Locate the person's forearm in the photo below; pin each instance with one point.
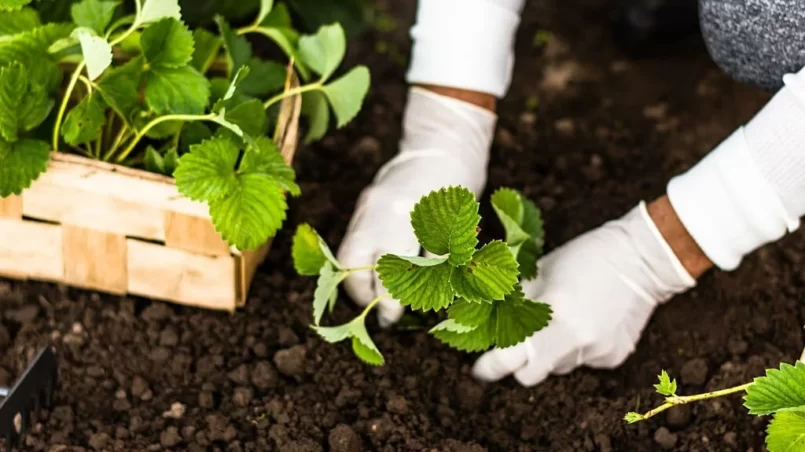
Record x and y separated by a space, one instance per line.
679 239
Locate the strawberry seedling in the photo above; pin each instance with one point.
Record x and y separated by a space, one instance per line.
779 394
141 90
478 286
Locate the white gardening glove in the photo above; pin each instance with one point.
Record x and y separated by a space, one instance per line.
445 143
602 288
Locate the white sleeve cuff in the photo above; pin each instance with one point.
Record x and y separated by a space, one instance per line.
727 205
465 44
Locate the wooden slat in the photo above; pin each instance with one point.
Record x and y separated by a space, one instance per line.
193 234
87 193
31 250
11 207
164 273
247 264
94 259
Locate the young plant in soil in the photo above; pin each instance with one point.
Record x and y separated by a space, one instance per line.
780 393
479 287
140 91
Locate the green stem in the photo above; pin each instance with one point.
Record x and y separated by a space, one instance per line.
134 25
681 400
360 269
372 304
121 135
87 84
156 121
281 41
63 107
292 92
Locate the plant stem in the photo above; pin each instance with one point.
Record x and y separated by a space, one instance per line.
681 400
63 107
292 92
121 135
134 25
153 123
360 269
372 304
87 84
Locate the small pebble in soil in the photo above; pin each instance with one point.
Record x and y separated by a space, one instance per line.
694 372
665 438
344 439
138 386
264 376
679 416
731 439
291 361
170 437
206 399
397 405
242 396
168 337
239 375
98 441
176 411
188 432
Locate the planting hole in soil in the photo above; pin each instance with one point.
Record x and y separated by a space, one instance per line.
584 133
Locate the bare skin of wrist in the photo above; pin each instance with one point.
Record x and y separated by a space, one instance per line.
483 100
678 238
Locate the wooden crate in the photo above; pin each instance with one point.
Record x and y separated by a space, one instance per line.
114 229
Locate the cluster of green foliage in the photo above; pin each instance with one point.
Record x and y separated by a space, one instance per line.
780 393
143 91
478 286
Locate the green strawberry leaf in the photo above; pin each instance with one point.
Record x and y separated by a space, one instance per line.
207 46
326 292
182 90
324 51
96 50
368 354
666 386
503 323
317 111
286 39
13 5
779 391
422 287
517 318
153 161
469 314
364 347
347 93
30 48
238 48
464 338
207 172
154 10
249 116
279 17
120 88
365 350
491 274
446 222
13 22
84 122
264 77
522 222
23 104
171 161
251 212
310 252
193 132
265 158
21 163
265 9
786 432
247 205
167 43
93 14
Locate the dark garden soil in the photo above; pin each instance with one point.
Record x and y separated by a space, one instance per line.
587 133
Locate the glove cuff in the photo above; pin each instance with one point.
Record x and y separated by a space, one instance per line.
465 44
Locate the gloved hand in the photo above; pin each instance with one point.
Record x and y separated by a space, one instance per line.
445 142
602 287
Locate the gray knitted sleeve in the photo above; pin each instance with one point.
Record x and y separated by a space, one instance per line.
755 41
